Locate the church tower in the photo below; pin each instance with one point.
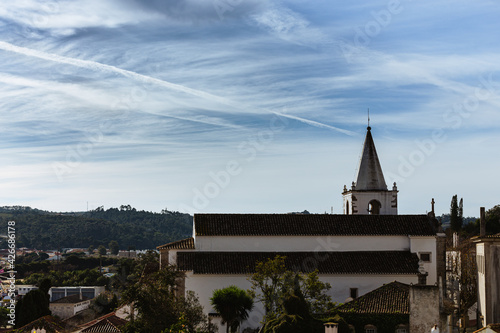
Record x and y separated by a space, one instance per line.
369 194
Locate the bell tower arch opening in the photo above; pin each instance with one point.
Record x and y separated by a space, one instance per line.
374 207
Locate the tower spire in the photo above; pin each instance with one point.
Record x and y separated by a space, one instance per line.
370 175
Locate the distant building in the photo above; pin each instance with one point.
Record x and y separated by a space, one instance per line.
69 306
90 292
23 289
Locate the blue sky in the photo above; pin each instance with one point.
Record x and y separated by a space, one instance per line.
246 106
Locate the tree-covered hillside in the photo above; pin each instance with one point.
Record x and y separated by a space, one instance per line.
126 225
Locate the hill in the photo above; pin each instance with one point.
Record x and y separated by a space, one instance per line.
126 225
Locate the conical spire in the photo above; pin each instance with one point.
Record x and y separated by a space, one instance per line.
370 176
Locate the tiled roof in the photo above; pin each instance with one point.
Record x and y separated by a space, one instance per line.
49 323
183 244
71 299
370 262
311 224
109 323
493 327
390 298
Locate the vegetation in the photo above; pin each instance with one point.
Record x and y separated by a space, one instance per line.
127 226
271 282
456 212
70 278
159 308
105 303
233 304
69 263
113 247
33 305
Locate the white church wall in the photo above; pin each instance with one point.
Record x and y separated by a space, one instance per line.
426 245
302 243
204 285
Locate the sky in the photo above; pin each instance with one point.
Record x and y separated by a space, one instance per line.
247 106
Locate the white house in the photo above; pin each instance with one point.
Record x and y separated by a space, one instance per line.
69 306
488 274
357 252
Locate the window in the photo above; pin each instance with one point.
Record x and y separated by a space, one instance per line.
425 256
354 292
374 207
370 329
402 328
347 207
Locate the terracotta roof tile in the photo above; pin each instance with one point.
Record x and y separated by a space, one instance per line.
311 224
390 298
110 324
107 323
370 262
49 323
183 244
494 327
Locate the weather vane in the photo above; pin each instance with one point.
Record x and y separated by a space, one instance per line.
368 117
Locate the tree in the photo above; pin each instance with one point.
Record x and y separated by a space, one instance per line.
102 250
113 247
272 281
4 318
266 283
456 218
105 303
493 220
296 315
33 305
91 250
464 275
159 308
233 304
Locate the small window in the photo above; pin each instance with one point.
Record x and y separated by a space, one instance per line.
354 292
425 257
370 329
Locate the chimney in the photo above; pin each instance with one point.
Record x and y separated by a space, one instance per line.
482 222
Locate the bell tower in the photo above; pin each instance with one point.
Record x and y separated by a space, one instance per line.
369 194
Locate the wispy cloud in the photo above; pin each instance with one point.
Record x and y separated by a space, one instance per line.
176 87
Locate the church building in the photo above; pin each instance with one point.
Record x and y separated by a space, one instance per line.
356 252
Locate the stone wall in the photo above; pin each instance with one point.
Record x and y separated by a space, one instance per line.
424 308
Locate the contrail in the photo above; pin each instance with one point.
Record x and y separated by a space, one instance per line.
316 124
93 65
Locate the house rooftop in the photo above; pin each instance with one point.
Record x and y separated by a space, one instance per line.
312 225
358 262
183 244
107 323
391 298
71 299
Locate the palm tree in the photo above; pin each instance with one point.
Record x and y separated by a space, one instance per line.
233 305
